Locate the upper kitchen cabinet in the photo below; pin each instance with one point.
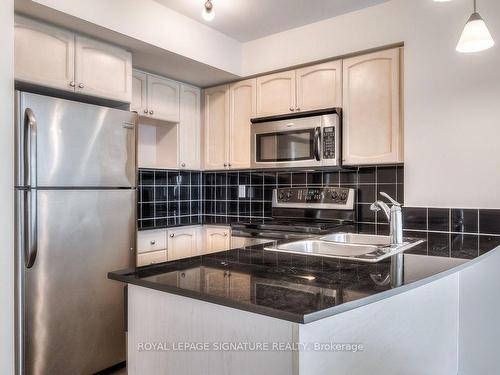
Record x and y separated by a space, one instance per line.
310 88
155 97
44 55
48 56
276 94
215 124
319 86
189 128
242 97
163 98
372 124
103 70
139 102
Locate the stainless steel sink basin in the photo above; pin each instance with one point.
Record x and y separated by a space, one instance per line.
348 246
327 248
357 238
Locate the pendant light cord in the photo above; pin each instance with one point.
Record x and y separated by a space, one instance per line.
475 6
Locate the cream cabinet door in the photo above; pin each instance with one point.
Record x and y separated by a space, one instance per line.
189 128
182 243
319 86
163 98
217 239
103 70
372 125
44 55
215 125
243 101
276 94
139 93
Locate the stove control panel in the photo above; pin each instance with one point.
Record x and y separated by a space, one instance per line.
327 197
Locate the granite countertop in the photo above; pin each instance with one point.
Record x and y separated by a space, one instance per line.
297 288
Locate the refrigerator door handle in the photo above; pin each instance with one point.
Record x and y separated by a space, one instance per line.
30 129
30 193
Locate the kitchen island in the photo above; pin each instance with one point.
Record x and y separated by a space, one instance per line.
250 310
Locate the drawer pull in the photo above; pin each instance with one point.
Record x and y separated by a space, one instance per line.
172 235
152 242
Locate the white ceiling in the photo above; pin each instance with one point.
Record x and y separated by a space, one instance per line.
246 20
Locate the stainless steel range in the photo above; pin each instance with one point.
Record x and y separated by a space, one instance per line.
302 212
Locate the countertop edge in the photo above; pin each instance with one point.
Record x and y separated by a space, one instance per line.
299 318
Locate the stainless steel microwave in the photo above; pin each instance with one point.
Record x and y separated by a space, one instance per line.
307 139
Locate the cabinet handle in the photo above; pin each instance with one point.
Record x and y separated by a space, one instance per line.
298 108
183 164
229 164
172 235
151 112
146 111
225 234
152 242
225 164
81 85
72 84
292 109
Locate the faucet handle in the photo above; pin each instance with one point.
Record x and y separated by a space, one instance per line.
390 199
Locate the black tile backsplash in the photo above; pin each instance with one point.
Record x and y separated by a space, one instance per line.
167 198
256 202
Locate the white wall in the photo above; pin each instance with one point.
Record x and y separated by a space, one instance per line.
452 126
149 21
6 188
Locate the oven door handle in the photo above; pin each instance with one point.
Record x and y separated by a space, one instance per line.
317 143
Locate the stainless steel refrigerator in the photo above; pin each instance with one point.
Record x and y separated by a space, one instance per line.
76 221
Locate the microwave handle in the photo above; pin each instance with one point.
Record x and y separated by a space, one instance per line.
317 143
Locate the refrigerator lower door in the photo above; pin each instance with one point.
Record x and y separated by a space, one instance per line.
77 144
73 314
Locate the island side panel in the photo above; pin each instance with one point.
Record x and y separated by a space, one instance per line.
479 311
412 333
159 317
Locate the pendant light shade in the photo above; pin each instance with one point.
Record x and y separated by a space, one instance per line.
476 36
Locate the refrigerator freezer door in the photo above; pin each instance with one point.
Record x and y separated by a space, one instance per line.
73 315
80 145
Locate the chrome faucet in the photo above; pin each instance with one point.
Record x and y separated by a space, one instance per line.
393 215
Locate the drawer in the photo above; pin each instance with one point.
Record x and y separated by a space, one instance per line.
145 259
151 240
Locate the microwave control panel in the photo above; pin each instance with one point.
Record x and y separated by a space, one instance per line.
329 142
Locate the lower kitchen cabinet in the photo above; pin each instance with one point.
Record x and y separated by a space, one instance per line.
217 239
182 242
372 112
153 257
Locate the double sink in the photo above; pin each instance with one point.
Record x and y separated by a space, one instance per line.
349 246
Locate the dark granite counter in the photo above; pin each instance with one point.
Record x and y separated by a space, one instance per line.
297 288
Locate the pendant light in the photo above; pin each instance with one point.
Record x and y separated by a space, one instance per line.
208 11
476 36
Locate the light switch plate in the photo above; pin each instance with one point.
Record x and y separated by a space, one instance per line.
242 191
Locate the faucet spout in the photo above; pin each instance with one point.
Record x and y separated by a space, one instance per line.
379 205
393 215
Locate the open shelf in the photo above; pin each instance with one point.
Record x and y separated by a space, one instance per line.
157 144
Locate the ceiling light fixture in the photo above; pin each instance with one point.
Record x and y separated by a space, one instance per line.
476 36
208 11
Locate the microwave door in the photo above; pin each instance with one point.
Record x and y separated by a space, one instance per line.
288 148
